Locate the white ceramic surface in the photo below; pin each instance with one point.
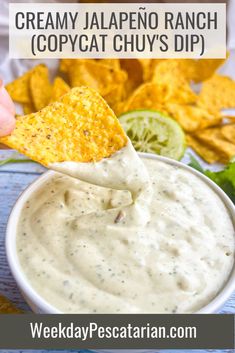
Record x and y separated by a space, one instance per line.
38 304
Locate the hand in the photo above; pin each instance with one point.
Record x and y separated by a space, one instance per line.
7 112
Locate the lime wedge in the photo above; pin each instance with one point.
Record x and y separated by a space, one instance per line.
150 131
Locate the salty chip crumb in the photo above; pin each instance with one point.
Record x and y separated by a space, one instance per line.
80 127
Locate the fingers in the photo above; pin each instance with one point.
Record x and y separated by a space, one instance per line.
5 100
7 112
7 121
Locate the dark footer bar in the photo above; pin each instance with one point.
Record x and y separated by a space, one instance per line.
124 331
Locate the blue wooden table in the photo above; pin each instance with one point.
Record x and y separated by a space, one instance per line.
14 178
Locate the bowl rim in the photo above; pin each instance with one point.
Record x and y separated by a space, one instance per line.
34 297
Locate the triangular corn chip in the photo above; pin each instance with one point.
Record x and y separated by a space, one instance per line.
148 66
168 76
218 92
65 64
147 96
113 63
228 131
40 87
215 140
205 68
28 108
209 154
96 75
19 88
134 71
59 88
192 117
80 127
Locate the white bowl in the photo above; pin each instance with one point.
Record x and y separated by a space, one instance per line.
40 305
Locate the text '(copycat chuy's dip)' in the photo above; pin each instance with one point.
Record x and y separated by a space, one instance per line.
125 235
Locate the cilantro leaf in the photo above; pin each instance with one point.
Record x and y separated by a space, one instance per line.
225 179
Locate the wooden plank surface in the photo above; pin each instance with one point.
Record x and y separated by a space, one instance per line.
13 180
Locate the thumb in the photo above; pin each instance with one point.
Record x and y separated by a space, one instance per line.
6 100
7 121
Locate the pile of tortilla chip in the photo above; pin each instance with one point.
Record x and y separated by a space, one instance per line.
168 86
34 91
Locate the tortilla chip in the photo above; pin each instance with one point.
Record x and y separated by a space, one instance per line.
19 89
192 70
6 307
116 95
198 70
148 66
119 108
113 63
28 108
229 119
191 117
205 68
95 75
208 154
187 68
80 127
228 132
168 76
135 74
146 96
214 139
218 92
59 88
40 87
65 64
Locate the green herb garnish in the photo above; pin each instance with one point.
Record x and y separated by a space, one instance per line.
224 178
12 159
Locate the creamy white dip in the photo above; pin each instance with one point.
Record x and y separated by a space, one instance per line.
149 237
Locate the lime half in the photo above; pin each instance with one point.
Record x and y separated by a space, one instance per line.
150 131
